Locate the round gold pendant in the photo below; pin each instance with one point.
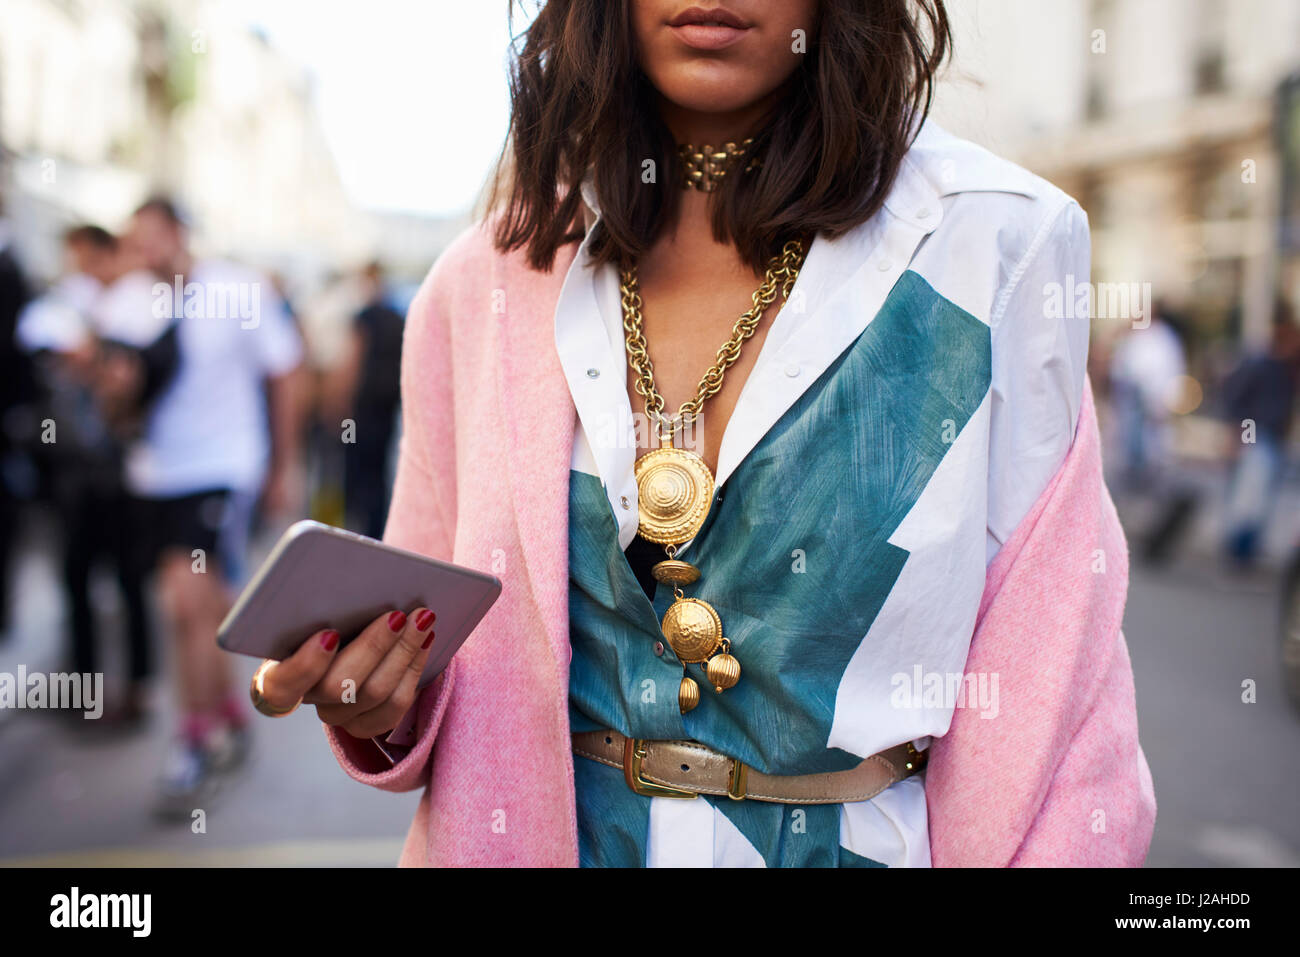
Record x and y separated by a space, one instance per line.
674 491
675 572
693 629
723 671
688 694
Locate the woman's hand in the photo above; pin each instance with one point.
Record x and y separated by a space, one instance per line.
365 688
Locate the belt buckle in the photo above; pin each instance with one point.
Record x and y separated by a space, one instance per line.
736 780
916 760
633 758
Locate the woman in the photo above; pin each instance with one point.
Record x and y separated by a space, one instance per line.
738 607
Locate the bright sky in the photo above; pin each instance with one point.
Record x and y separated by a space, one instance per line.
412 96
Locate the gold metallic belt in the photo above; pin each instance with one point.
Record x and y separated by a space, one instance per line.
687 769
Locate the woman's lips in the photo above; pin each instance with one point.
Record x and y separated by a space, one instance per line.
707 36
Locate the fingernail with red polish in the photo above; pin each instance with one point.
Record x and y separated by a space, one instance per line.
330 640
397 621
428 640
424 619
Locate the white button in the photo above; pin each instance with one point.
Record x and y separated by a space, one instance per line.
792 370
923 213
884 265
626 503
593 373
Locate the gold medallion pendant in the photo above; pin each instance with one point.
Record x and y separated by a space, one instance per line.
675 486
674 489
693 628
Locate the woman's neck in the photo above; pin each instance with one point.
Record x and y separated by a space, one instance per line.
692 218
714 129
690 230
685 247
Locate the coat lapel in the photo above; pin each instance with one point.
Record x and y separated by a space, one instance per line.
539 421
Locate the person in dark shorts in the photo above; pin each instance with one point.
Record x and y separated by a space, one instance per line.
220 435
211 522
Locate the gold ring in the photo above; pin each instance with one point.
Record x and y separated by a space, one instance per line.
259 700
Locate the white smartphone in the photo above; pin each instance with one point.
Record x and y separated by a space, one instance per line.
318 576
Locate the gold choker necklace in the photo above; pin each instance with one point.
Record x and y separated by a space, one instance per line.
675 487
705 167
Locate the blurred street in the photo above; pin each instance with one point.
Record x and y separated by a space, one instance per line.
1225 772
83 795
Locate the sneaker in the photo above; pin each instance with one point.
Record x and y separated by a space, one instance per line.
227 747
186 782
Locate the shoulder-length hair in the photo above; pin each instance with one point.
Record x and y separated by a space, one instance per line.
830 148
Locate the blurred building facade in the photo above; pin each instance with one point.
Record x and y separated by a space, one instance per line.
1161 121
103 101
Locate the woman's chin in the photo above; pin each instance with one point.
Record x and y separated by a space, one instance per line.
711 90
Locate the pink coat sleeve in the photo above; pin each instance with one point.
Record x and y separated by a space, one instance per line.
1057 777
421 518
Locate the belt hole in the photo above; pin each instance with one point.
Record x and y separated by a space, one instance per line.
686 767
608 739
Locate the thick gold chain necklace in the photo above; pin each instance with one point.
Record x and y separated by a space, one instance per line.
675 487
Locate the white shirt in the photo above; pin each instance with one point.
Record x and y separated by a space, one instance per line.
59 320
208 428
1151 361
990 238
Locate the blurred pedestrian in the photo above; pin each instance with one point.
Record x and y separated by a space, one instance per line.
221 433
1146 375
87 486
17 390
1259 398
328 338
372 368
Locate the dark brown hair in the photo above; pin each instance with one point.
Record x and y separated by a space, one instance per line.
830 149
90 235
165 207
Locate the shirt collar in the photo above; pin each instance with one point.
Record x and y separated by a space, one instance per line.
590 207
951 165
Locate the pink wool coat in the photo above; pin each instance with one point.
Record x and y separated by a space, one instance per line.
1058 778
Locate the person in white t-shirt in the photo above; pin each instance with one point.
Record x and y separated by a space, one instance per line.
220 433
1147 371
